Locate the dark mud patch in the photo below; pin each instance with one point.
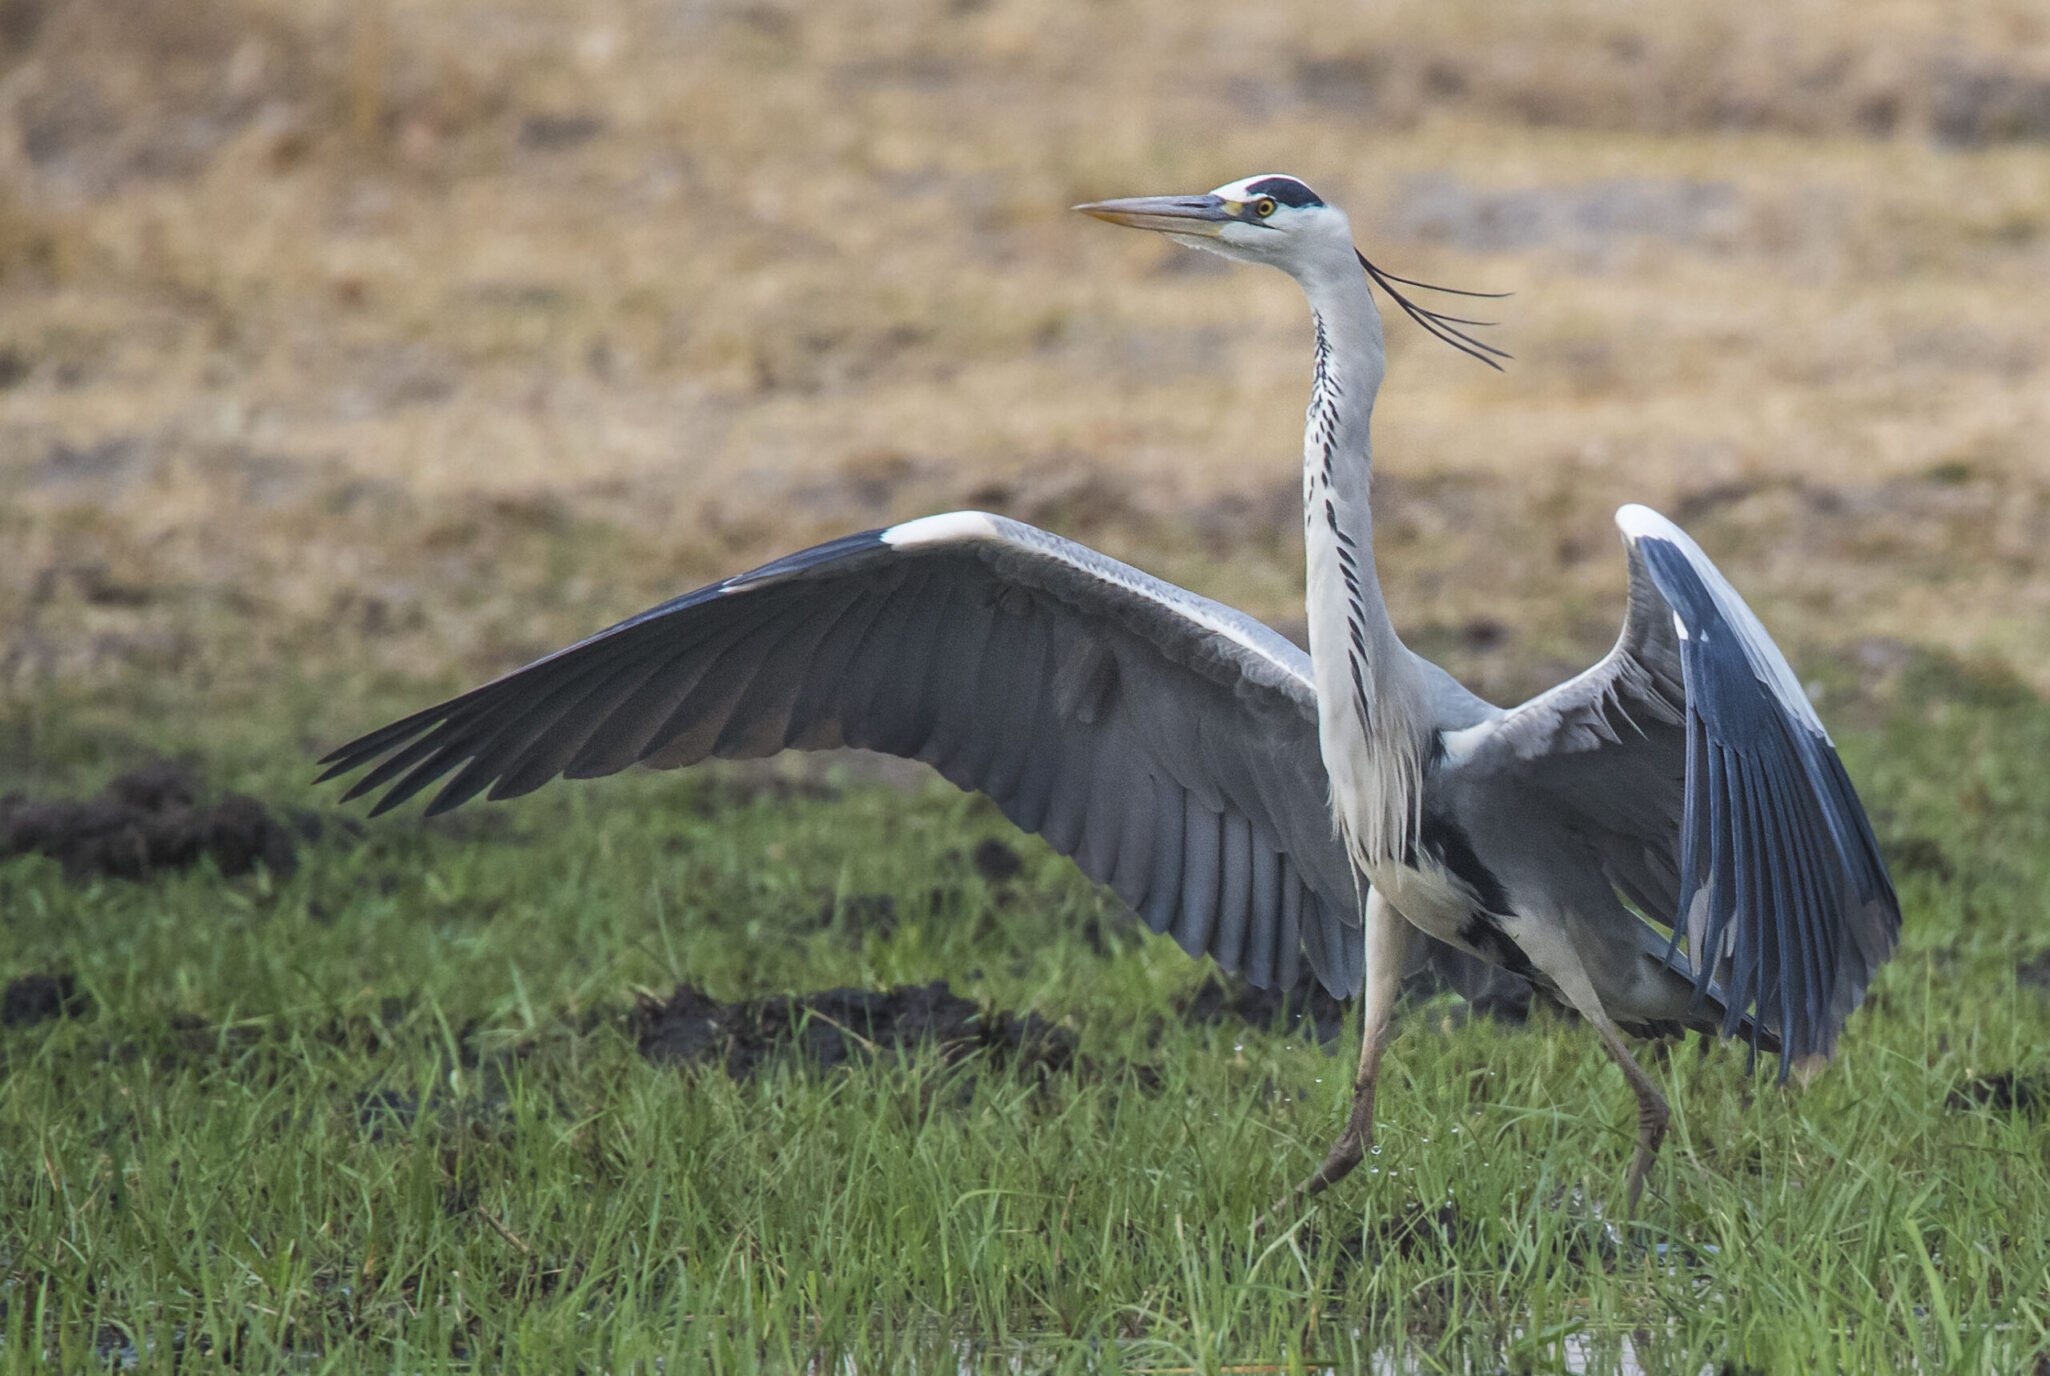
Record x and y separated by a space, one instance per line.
154 818
1310 1010
2005 1091
1307 1008
2033 972
861 916
1919 855
384 1111
39 998
996 862
1415 1231
844 1026
1419 1230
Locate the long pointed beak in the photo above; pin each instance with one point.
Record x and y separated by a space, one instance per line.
1195 215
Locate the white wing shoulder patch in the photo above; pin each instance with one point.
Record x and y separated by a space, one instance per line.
947 528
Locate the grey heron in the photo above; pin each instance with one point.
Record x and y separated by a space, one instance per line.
1684 779
1258 803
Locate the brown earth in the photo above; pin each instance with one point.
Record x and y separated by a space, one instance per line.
153 818
841 1025
412 338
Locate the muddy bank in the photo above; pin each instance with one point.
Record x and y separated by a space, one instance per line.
39 998
843 1026
153 818
2005 1091
1306 1009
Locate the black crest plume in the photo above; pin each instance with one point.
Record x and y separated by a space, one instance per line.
1445 327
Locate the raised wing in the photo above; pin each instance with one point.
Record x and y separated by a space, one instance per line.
1166 742
1714 796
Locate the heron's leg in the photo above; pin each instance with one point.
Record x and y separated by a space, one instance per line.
1388 936
1571 977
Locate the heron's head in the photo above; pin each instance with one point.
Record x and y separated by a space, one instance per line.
1268 219
1279 221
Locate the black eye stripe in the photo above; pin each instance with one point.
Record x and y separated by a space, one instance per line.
1286 190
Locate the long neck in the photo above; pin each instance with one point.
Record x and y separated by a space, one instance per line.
1372 720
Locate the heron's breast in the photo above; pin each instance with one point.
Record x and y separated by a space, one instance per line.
1444 887
1427 896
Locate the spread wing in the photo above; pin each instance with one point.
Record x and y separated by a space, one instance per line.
1166 742
1698 769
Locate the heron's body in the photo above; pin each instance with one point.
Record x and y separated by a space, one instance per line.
1664 841
1498 875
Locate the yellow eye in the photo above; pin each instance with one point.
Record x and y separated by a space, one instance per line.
1263 207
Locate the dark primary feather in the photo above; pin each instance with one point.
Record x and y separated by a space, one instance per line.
1778 864
1697 769
1167 742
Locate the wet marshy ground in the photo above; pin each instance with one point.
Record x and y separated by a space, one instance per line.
848 1046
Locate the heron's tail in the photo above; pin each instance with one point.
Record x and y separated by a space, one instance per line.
1699 1010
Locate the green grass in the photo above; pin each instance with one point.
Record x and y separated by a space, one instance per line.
387 1114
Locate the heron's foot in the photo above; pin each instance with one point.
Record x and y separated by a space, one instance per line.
1652 1115
1346 1153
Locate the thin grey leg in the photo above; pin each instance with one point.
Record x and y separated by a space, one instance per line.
1652 1113
1388 936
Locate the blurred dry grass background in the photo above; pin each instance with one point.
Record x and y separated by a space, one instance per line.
422 335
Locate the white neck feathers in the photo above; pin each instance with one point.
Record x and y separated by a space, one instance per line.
1372 721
